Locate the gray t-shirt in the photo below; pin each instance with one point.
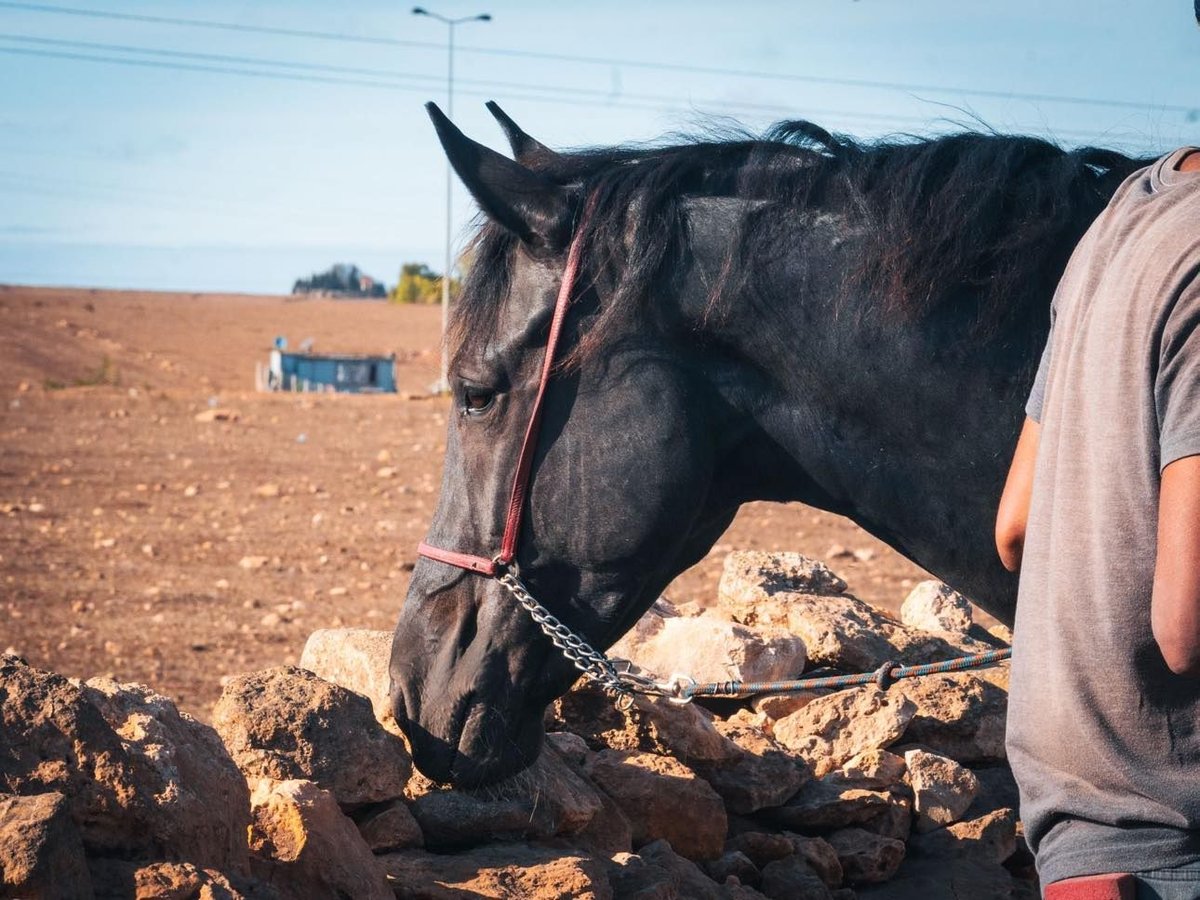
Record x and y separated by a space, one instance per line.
1103 738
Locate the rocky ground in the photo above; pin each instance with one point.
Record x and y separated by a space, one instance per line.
162 522
302 788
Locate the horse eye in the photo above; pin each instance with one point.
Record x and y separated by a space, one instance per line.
477 400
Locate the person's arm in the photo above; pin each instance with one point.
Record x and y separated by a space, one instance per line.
1013 513
1175 603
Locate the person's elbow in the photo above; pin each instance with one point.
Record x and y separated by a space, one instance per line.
1010 541
1180 651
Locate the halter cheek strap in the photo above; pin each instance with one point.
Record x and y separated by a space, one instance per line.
520 488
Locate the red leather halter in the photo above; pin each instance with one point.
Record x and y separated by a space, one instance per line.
516 503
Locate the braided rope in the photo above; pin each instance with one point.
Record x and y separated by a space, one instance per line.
886 675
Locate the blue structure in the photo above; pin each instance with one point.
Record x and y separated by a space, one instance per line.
345 373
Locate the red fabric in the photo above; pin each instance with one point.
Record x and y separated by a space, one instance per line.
516 501
1093 887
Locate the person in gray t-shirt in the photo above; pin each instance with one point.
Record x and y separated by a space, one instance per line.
1101 514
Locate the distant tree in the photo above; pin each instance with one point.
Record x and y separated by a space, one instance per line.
420 284
341 280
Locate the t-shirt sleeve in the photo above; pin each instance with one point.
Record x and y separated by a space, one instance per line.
1037 394
1177 384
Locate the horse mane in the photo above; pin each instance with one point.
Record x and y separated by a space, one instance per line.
971 217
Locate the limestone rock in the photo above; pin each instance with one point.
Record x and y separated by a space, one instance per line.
960 714
662 798
499 871
876 769
933 606
388 826
776 706
356 659
991 837
708 647
139 777
187 773
41 854
633 878
733 863
765 775
896 819
286 723
793 879
942 789
548 799
849 634
820 856
652 724
688 879
866 858
306 847
750 576
997 790
827 803
162 881
609 832
831 730
761 847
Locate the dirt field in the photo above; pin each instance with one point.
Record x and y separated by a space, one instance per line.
138 541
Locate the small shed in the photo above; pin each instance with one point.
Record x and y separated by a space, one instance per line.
341 372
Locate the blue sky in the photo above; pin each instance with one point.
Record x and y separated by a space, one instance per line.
143 176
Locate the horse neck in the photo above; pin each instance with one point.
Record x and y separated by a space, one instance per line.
904 427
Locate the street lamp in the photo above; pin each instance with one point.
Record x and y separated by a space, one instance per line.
443 382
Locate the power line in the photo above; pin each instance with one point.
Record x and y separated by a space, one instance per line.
545 94
879 84
547 97
606 97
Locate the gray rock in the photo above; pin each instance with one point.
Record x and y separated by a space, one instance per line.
793 879
753 575
934 606
991 837
866 858
388 826
830 731
663 799
708 647
510 871
356 659
827 803
942 789
960 715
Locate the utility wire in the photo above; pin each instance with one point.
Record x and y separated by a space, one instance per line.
605 96
908 87
546 94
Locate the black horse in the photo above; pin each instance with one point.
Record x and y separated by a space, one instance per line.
796 318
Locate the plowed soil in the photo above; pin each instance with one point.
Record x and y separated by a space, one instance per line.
138 541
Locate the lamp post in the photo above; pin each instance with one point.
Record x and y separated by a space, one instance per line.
443 383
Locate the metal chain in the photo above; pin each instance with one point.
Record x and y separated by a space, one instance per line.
682 689
591 662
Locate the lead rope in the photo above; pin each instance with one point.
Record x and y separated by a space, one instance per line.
623 685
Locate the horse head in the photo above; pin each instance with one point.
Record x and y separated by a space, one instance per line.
621 495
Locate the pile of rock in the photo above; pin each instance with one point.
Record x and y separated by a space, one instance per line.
303 787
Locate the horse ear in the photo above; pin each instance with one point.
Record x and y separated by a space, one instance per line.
535 209
525 149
